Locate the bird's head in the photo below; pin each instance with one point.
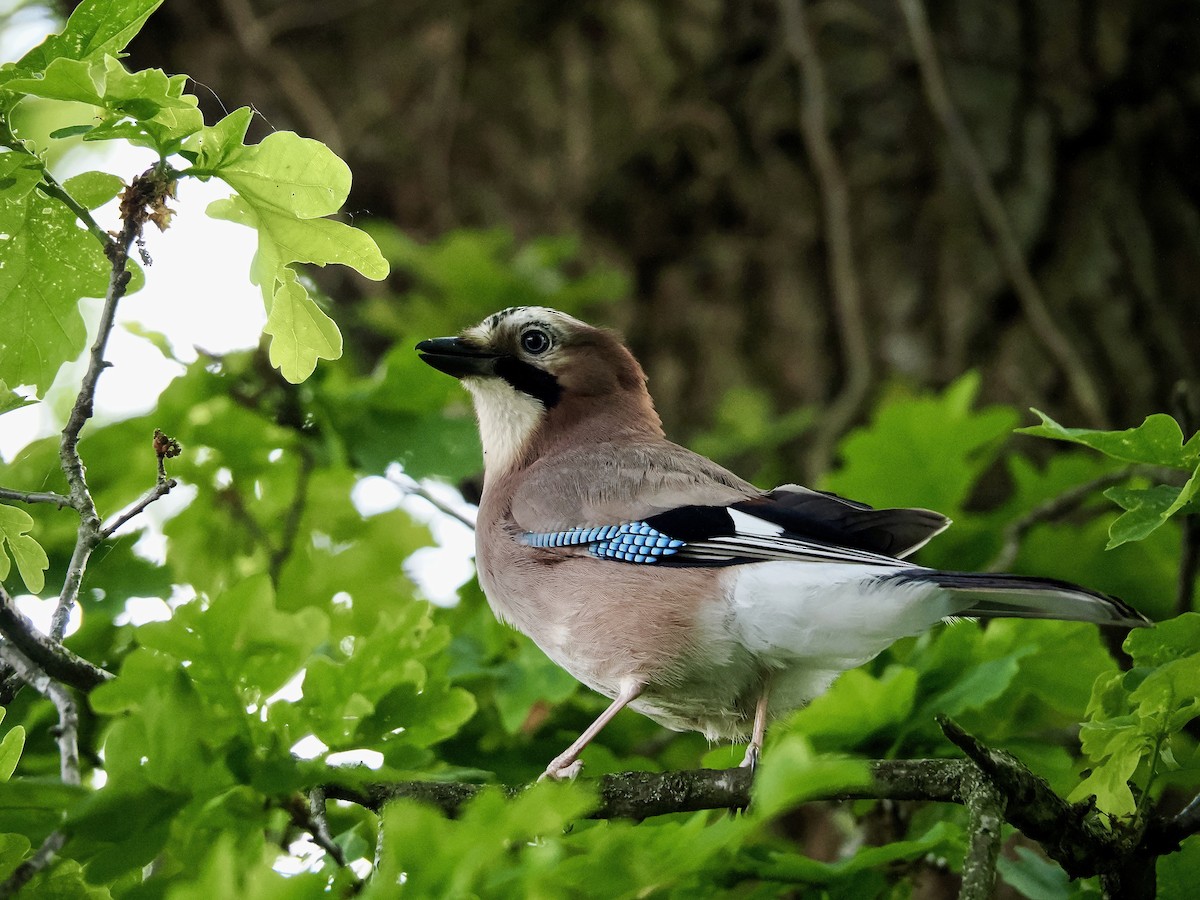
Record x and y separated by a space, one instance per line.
538 375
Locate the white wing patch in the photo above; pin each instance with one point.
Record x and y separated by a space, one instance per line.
757 538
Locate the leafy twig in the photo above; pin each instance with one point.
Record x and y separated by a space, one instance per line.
141 200
52 188
164 448
1012 259
839 243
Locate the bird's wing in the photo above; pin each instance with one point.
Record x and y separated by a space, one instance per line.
607 483
645 505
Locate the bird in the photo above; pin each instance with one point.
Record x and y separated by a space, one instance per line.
669 584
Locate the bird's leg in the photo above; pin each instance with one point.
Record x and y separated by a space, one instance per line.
567 764
754 749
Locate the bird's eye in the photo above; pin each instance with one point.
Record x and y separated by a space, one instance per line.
535 341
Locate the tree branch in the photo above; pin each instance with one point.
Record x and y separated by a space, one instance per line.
68 747
140 200
993 785
49 655
995 216
59 500
839 244
1053 509
164 448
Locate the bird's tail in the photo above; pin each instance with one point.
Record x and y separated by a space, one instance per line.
1018 596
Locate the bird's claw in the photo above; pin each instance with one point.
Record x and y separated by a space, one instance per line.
557 771
750 760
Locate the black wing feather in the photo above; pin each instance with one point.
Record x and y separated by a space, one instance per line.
830 519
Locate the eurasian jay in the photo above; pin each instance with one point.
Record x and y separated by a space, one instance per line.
667 583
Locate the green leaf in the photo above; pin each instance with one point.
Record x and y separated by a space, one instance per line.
50 262
1147 509
1158 441
10 400
95 27
10 751
1176 872
792 773
81 80
93 189
13 850
300 332
923 451
796 868
296 176
858 706
1177 638
19 174
147 108
34 806
1034 876
215 145
30 557
284 185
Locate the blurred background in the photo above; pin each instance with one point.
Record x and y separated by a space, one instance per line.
850 240
793 216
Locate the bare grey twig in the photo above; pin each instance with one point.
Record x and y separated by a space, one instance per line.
43 856
839 241
59 500
995 216
414 488
67 735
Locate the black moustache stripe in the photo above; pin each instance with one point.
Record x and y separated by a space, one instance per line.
531 380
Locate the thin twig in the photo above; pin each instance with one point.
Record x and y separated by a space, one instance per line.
414 488
308 814
840 414
160 489
1049 511
995 216
52 188
25 871
68 719
67 734
50 655
59 500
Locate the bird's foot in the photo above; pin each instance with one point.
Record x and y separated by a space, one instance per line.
750 760
562 770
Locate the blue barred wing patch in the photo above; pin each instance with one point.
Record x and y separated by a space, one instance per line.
633 542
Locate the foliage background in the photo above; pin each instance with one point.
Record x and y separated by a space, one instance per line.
642 165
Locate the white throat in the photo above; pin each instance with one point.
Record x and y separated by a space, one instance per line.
507 420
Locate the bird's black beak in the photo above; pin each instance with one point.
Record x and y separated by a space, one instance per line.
456 357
